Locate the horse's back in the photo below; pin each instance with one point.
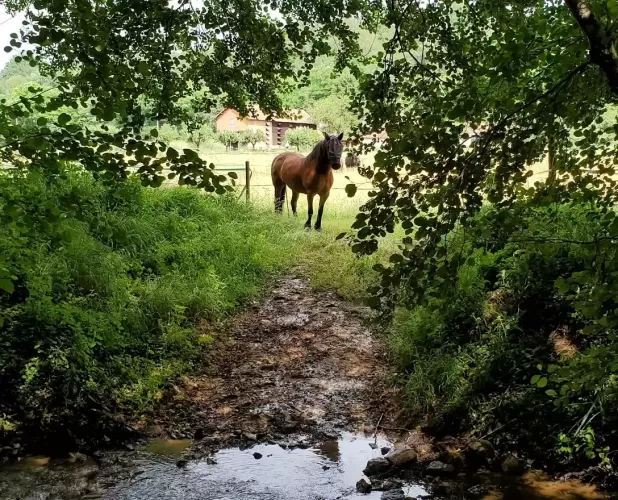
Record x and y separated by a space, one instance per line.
286 165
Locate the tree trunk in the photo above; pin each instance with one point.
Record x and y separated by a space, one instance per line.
601 49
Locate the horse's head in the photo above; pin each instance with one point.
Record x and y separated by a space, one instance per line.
334 148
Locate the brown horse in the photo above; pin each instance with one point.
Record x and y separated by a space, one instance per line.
309 175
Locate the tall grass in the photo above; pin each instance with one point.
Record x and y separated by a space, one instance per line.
111 283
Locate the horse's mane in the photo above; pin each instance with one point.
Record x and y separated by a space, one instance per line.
319 154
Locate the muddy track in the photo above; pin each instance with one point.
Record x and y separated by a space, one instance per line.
301 361
294 372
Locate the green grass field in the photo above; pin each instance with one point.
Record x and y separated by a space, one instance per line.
261 183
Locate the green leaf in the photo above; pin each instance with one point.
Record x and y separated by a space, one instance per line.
7 285
562 285
539 366
542 382
171 154
350 190
191 155
154 133
395 258
551 392
420 221
63 119
535 379
108 114
142 67
233 175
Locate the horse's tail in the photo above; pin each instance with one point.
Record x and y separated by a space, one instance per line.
279 198
278 183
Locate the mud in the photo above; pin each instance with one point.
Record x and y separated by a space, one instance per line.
300 362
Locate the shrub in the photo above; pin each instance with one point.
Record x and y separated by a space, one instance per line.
103 286
169 133
513 338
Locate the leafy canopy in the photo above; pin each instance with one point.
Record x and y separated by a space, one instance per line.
118 59
472 95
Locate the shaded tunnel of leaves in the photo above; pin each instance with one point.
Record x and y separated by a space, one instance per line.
470 95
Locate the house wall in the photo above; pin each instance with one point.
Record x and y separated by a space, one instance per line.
229 121
279 128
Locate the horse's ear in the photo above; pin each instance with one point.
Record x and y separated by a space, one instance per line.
326 136
340 136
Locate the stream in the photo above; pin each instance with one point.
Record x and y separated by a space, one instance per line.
328 470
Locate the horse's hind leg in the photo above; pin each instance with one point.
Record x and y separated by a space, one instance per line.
294 201
318 222
309 210
279 196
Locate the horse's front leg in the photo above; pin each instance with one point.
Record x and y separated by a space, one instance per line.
309 210
318 222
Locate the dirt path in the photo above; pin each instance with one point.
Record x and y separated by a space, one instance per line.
302 361
269 419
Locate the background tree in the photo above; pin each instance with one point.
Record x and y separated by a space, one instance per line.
228 139
302 137
252 136
333 112
200 135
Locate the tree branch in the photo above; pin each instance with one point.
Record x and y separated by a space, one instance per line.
601 51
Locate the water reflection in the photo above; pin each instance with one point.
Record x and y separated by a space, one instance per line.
328 471
329 449
167 447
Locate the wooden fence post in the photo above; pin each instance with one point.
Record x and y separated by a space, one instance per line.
247 181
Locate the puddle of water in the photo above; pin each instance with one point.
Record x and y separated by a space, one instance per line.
39 477
35 462
328 471
167 447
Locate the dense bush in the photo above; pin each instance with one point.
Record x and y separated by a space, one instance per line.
517 333
104 286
